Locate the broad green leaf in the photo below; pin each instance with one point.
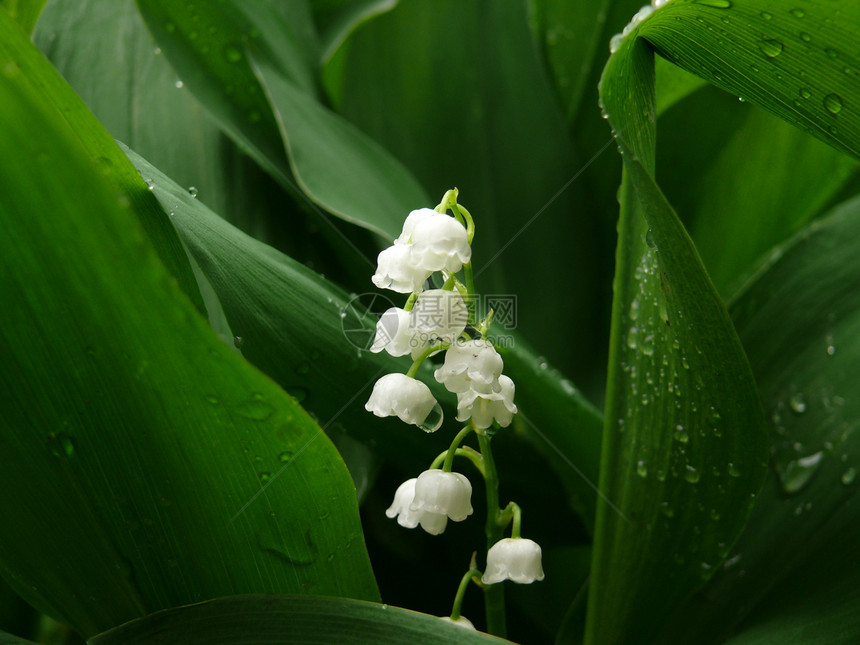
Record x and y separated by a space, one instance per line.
28 69
290 619
459 92
337 165
24 12
799 320
144 443
684 447
9 639
312 338
212 52
337 19
103 50
744 180
799 62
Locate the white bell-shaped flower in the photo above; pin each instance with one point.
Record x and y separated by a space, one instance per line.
517 559
394 333
462 621
396 269
471 365
445 493
408 399
483 408
438 315
412 221
433 523
440 242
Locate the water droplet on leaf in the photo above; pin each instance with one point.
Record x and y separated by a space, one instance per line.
770 47
833 103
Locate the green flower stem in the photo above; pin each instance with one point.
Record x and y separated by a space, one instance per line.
470 291
449 200
494 595
465 217
452 449
410 302
484 327
468 452
512 512
450 283
461 591
413 369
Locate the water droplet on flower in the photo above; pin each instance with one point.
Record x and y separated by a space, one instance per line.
433 419
833 103
770 47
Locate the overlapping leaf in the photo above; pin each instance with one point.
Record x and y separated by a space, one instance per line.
133 437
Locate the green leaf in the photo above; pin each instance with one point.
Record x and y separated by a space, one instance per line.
24 12
142 440
290 619
684 447
762 51
9 639
103 50
33 74
337 165
744 179
215 64
337 19
799 319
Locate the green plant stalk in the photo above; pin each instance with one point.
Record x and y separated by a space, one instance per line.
494 595
452 450
461 591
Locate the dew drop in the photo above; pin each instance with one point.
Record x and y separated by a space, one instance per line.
734 471
238 341
798 403
666 509
681 434
848 476
254 116
256 409
717 4
433 419
805 93
212 399
303 368
766 15
265 477
831 53
642 468
770 47
157 51
179 84
805 37
285 457
192 191
833 103
298 393
649 239
798 13
691 474
61 445
232 54
798 473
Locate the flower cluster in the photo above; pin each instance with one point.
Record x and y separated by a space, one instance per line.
441 319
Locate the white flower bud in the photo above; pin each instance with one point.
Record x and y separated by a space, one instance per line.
412 220
462 621
408 399
437 316
444 493
483 408
433 523
471 365
517 559
396 270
